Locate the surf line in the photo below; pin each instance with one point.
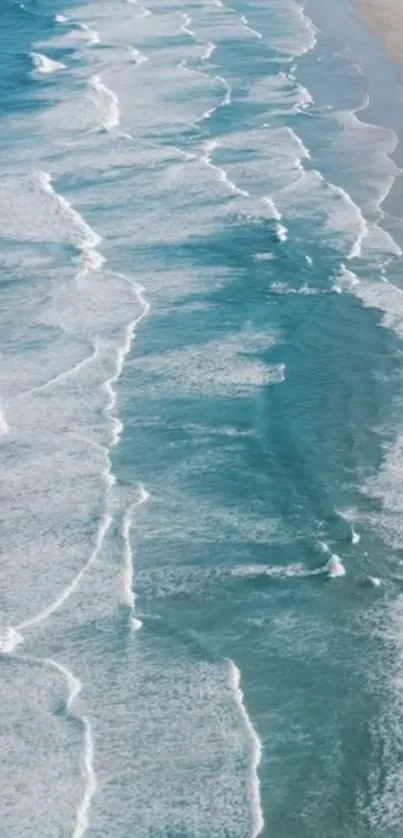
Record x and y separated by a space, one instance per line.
255 750
226 100
127 595
74 687
108 102
206 158
185 27
86 241
242 20
210 45
144 12
61 376
92 35
209 49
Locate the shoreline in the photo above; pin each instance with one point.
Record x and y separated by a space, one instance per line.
348 28
385 20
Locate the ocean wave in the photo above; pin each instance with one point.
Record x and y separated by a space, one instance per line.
333 568
281 288
222 368
127 596
46 65
256 751
108 103
137 57
346 280
245 24
72 371
85 239
4 429
74 688
143 11
207 159
9 640
91 35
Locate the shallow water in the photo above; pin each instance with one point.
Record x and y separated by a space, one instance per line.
200 424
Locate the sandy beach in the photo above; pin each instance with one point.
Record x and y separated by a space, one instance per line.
385 17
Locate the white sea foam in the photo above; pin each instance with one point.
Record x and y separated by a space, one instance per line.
296 570
255 751
122 351
385 487
4 429
74 687
264 256
245 25
375 581
64 595
282 288
210 48
127 596
224 102
346 280
91 34
222 368
46 65
83 236
310 31
272 207
355 536
144 12
282 233
61 376
87 240
108 103
9 640
137 56
136 624
207 159
185 26
334 567
61 19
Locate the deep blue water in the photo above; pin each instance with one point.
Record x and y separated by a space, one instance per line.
201 434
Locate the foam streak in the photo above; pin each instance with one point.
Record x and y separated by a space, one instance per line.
109 104
91 34
66 374
109 385
245 24
84 237
45 65
127 596
137 57
72 586
206 158
75 687
255 748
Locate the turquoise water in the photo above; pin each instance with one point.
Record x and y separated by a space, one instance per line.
201 434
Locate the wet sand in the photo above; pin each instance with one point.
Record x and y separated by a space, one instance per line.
385 17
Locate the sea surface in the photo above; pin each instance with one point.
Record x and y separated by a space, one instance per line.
201 428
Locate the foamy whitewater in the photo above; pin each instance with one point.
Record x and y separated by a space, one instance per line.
200 422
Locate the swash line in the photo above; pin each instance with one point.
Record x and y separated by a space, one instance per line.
82 810
61 376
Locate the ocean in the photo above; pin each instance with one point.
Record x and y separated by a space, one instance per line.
201 436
